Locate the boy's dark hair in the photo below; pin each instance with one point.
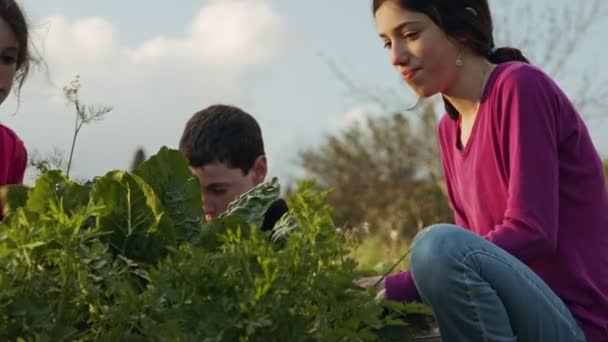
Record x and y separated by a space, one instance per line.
14 18
225 134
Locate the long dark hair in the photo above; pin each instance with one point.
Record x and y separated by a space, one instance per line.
13 16
467 21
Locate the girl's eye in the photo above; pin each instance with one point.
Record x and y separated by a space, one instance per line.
411 35
9 60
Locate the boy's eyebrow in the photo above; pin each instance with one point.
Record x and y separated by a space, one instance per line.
400 27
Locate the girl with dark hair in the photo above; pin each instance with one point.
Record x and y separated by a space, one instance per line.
14 67
527 259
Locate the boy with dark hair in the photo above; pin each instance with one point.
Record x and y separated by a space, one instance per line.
225 149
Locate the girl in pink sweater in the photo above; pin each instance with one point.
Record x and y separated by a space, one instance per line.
528 257
14 66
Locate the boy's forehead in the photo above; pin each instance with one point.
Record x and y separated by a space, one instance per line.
217 172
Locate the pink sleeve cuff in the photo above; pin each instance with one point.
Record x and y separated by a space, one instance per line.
400 287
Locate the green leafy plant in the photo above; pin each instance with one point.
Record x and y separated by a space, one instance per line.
127 256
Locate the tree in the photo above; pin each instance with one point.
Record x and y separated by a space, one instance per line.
138 158
381 174
42 163
551 36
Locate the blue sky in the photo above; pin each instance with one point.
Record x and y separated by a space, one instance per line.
157 62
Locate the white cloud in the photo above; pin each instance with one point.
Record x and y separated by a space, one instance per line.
358 114
153 86
229 33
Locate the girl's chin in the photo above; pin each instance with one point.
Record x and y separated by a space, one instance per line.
424 92
421 90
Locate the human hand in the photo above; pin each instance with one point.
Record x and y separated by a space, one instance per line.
369 282
377 282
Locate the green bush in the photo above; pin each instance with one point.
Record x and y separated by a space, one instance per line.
127 256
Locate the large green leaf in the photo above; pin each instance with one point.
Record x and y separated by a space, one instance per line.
252 205
133 215
177 188
53 187
13 197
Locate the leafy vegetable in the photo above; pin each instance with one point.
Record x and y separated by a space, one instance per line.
127 256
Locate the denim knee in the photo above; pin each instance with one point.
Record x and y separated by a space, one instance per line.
434 254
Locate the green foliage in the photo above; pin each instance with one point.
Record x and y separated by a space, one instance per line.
252 205
128 257
376 255
384 173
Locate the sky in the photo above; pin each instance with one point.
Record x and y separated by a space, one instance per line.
158 62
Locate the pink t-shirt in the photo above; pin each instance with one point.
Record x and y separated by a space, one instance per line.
530 180
13 158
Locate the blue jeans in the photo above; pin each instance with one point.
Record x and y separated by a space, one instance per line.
479 292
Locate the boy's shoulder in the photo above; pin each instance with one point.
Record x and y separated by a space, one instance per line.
276 210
